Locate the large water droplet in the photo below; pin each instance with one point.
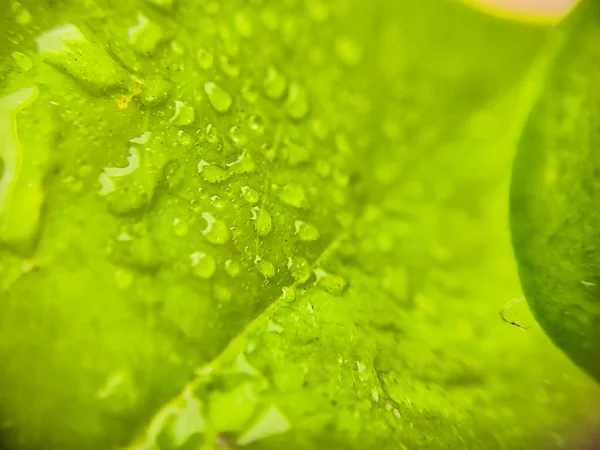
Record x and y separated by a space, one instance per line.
237 136
219 98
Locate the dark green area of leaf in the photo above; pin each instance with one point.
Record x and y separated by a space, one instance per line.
555 194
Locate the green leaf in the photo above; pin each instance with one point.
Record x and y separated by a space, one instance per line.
273 224
554 195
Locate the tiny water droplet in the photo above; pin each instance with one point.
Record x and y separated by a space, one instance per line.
275 84
272 326
306 231
232 268
297 103
124 279
249 195
180 228
211 134
333 284
263 223
266 268
349 52
205 59
216 201
237 136
184 114
229 68
256 124
293 194
203 265
299 268
219 98
216 231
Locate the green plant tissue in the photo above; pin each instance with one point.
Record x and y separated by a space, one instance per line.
269 224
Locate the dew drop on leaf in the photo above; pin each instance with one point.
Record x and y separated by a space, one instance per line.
219 98
275 84
250 195
232 268
306 231
205 59
297 104
203 265
263 223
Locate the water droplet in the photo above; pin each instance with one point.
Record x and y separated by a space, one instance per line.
145 35
230 69
306 231
217 202
397 413
263 223
211 134
272 326
256 124
221 293
266 268
272 422
237 136
213 173
232 268
177 48
293 194
297 104
216 232
219 98
203 265
180 228
275 84
184 139
333 284
22 61
123 279
184 114
205 59
249 195
349 52
299 268
155 90
249 92
375 395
